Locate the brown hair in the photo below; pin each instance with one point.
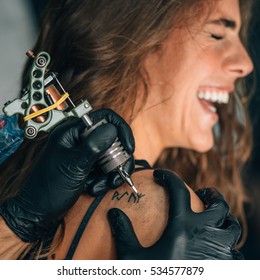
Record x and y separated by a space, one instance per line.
98 49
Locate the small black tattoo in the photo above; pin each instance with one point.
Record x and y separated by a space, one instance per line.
132 197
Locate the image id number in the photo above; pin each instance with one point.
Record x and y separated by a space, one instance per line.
177 270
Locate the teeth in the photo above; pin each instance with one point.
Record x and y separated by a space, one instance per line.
212 108
214 96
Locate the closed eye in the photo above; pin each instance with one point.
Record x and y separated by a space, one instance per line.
216 37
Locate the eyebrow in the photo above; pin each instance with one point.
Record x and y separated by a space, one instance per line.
225 22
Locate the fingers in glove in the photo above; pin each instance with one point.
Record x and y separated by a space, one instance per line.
95 144
179 195
210 196
98 186
237 255
114 178
98 182
123 233
125 134
217 208
179 203
68 133
232 229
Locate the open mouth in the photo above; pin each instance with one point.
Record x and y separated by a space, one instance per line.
210 99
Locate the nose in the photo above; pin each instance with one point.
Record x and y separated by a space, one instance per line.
238 63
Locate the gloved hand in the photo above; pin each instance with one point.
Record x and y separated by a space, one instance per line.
58 177
97 182
211 234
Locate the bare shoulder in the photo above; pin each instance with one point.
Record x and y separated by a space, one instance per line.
147 210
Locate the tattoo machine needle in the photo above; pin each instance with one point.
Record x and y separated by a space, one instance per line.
115 156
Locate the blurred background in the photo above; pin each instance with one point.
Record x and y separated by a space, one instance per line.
18 30
19 23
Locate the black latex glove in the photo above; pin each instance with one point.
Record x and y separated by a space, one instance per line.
58 177
211 234
98 182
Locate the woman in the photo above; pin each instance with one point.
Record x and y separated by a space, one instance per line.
163 66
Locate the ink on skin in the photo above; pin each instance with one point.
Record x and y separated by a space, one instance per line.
131 197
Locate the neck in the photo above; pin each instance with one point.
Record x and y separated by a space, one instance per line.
147 140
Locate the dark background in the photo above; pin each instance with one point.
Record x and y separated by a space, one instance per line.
251 249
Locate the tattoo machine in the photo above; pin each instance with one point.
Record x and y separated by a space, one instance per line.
45 104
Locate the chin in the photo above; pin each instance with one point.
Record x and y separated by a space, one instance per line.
201 144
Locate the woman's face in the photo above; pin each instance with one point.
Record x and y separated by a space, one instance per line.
196 68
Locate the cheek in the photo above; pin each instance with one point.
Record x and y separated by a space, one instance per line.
199 129
191 127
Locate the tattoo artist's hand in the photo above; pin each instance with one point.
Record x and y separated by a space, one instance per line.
211 234
98 182
58 177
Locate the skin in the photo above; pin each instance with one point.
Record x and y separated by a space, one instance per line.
212 58
11 245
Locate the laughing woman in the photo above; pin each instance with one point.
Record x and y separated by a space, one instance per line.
172 70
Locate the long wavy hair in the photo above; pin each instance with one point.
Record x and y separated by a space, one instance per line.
98 49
